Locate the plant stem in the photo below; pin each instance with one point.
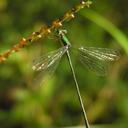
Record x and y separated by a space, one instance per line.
78 90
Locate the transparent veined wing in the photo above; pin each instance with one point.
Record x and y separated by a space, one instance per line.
98 59
46 65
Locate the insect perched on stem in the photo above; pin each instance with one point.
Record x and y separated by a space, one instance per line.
96 59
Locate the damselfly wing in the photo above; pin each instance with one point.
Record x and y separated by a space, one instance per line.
98 59
95 59
47 64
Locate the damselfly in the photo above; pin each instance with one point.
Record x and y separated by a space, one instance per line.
96 59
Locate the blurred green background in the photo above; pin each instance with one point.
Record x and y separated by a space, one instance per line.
55 104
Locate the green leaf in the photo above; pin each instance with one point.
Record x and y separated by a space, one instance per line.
108 26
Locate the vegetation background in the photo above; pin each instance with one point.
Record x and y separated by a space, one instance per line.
55 104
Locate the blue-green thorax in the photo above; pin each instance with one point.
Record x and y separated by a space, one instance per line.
64 39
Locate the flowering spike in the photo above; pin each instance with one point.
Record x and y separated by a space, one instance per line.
44 31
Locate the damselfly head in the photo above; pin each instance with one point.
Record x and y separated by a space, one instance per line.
62 31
